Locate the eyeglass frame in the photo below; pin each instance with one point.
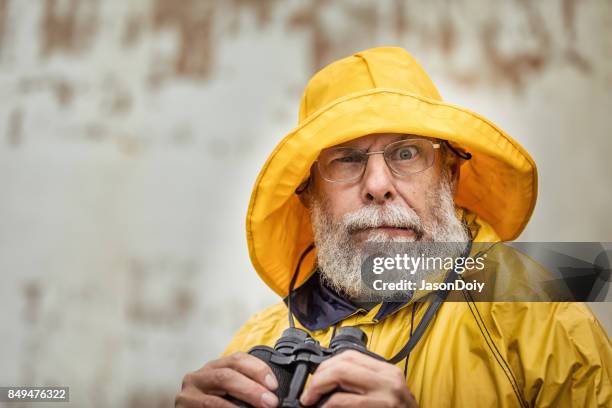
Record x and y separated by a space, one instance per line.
435 145
462 154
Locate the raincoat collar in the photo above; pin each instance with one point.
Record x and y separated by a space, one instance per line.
317 306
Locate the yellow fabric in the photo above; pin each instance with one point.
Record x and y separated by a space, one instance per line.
375 91
558 353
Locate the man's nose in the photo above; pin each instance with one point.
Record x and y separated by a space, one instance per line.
377 182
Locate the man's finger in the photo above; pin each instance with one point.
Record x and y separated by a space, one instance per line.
355 357
221 381
187 399
346 399
250 366
344 375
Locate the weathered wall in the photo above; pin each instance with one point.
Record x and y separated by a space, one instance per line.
131 133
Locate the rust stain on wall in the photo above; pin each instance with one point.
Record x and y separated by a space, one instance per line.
63 92
96 131
578 60
67 26
122 102
177 305
183 302
132 30
117 99
572 54
516 66
448 35
365 18
199 25
4 7
14 131
568 9
261 8
32 293
308 17
400 22
192 21
61 88
513 67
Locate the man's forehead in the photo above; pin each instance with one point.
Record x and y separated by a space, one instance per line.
379 139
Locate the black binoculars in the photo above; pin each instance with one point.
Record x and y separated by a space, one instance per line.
296 355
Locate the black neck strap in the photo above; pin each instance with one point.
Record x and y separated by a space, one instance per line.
292 283
439 298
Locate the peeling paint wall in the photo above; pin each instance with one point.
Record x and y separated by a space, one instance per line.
132 132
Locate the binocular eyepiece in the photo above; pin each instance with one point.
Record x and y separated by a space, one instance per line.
296 355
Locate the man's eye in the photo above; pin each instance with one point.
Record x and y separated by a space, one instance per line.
351 158
405 153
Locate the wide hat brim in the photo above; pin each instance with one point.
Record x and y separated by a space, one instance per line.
499 183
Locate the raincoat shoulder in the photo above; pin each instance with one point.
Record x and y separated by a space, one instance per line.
263 328
559 352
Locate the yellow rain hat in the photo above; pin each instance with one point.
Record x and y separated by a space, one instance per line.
379 90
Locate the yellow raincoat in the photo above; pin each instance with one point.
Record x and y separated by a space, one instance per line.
495 354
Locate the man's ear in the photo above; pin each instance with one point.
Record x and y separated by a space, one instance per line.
452 169
305 190
304 193
455 172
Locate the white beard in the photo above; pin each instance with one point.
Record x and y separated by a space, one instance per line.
339 256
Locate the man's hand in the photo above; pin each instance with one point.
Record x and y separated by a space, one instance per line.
359 381
240 375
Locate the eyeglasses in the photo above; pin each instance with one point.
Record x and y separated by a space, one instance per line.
346 164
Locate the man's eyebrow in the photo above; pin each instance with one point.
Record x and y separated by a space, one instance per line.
405 137
397 138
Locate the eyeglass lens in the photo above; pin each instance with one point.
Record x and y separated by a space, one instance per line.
403 158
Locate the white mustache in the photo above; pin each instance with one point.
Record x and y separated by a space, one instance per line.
389 215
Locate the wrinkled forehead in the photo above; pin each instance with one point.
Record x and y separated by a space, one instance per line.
377 141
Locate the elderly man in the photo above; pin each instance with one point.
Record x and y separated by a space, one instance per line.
378 156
